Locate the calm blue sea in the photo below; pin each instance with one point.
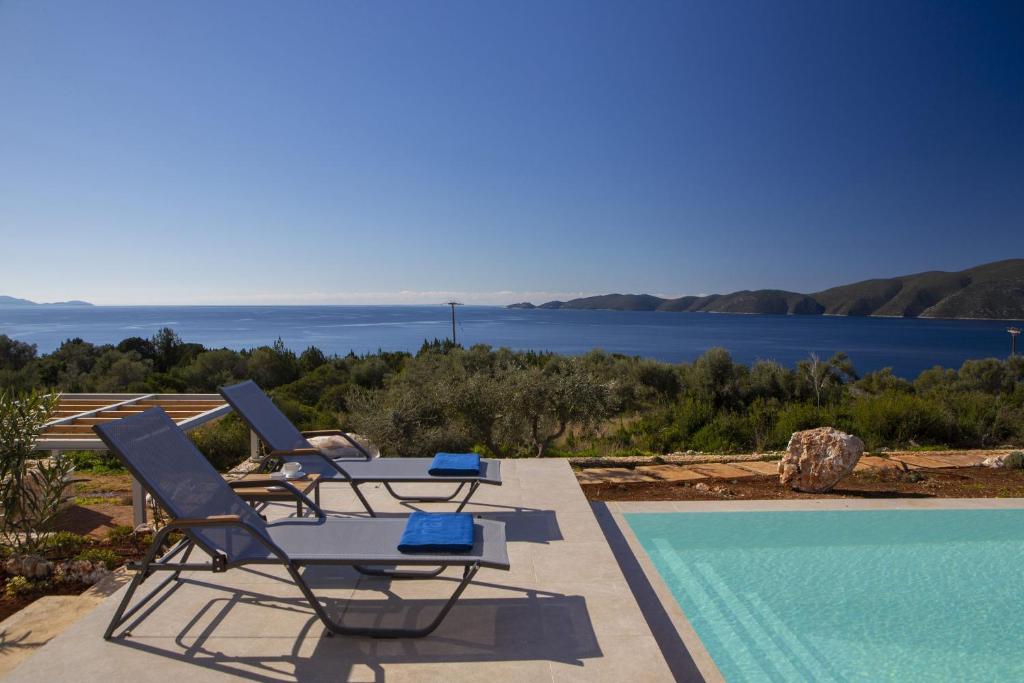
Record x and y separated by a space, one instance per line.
906 345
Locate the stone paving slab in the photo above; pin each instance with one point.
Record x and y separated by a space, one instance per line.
612 475
671 473
767 468
873 462
563 612
722 471
958 459
24 632
920 461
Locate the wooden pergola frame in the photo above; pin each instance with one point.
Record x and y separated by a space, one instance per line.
76 414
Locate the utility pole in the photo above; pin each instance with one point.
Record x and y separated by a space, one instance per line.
453 304
1014 333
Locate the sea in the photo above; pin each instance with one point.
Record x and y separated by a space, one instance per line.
906 345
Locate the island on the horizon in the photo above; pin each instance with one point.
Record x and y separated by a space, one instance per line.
993 291
13 301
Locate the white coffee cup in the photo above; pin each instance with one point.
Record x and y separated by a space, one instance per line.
291 468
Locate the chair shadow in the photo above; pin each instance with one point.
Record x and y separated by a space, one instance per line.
666 635
528 625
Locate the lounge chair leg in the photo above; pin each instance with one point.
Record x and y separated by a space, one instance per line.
423 499
334 627
142 573
472 489
362 498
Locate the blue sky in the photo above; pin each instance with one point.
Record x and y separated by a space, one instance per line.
402 152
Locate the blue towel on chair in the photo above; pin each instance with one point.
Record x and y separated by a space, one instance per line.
455 465
437 532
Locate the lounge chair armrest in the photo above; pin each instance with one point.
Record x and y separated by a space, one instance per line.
212 520
293 451
305 452
285 484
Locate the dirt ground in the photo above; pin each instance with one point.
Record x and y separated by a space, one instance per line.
103 501
968 482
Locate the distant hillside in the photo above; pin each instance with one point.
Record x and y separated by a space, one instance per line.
12 301
994 290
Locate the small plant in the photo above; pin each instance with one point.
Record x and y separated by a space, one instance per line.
18 586
97 462
107 557
62 544
122 534
1014 460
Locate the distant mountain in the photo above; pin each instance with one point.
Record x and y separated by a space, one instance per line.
524 304
11 301
994 290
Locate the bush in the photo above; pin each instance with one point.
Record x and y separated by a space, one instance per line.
108 557
898 419
97 462
727 433
121 534
18 586
1014 460
62 544
797 417
225 443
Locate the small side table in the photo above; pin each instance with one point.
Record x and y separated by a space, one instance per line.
264 490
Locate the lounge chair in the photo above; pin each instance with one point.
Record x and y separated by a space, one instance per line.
287 443
216 521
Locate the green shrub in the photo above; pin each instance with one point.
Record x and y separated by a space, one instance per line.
899 419
18 586
120 534
97 462
63 544
1014 460
797 417
225 443
108 557
727 433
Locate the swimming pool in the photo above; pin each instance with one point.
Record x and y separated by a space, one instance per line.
866 595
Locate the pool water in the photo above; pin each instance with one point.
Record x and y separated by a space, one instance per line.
893 595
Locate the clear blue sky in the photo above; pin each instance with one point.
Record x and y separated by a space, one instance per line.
243 152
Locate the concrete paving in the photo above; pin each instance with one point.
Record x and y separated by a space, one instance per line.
563 612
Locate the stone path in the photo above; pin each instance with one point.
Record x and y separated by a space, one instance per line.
746 468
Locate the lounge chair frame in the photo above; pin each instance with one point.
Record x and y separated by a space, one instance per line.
338 464
220 562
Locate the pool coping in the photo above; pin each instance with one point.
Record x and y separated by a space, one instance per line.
699 655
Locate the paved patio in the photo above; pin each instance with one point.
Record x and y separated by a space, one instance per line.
564 611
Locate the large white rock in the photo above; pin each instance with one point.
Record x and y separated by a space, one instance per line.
816 459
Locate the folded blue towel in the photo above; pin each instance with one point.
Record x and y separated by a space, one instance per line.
455 465
437 532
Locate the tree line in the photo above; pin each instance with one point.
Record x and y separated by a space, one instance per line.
521 403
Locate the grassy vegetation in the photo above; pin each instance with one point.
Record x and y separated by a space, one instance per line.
515 404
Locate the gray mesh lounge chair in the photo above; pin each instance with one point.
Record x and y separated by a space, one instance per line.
288 443
216 521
